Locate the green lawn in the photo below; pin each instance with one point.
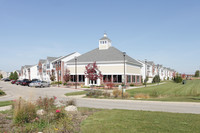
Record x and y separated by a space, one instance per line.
170 91
76 93
126 121
5 103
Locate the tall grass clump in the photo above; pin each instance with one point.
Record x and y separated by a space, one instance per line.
24 111
118 94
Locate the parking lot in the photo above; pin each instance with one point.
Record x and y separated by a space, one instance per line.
15 91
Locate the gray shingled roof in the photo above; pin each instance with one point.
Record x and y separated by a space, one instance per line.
110 54
105 38
62 57
150 62
50 59
42 61
27 66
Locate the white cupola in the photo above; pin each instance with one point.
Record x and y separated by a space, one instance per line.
104 42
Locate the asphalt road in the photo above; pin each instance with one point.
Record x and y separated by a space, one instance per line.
14 91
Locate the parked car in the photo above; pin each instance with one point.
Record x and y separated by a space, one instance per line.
18 82
7 79
13 81
35 80
26 83
39 84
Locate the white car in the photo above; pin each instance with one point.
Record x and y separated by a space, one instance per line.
39 84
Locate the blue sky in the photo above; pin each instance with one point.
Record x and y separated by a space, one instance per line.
164 31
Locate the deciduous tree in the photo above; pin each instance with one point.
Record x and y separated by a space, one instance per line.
197 73
92 72
15 76
66 76
52 75
11 76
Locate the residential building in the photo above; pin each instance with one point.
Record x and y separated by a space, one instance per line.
60 65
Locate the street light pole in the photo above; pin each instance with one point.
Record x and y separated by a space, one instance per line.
76 72
124 54
58 72
145 73
158 73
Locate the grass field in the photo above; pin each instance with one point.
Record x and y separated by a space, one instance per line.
5 103
170 91
126 121
76 93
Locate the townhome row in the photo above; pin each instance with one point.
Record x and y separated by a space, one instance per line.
111 62
150 69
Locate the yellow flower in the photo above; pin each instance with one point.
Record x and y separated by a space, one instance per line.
56 129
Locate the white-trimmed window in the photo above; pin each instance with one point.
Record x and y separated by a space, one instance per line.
129 78
138 79
133 77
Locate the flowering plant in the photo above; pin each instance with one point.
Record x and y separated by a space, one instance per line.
57 111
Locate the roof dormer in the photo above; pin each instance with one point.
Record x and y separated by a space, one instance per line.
104 42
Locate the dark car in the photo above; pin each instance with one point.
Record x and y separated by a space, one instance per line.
7 79
26 83
35 80
18 82
13 81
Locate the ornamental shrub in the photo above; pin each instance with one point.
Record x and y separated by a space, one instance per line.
106 94
156 79
178 79
2 93
118 94
132 85
94 93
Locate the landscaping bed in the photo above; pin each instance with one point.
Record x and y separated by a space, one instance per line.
76 93
43 116
2 93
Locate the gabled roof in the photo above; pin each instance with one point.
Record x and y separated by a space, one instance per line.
42 61
150 62
111 54
19 71
62 57
28 66
50 59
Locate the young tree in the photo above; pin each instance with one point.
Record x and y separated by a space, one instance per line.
1 76
197 73
52 75
145 80
183 76
15 76
92 72
66 76
11 76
